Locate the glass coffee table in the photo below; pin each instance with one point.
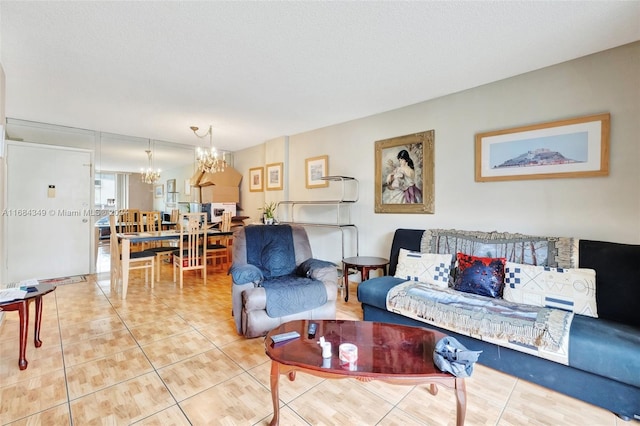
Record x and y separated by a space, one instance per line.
391 353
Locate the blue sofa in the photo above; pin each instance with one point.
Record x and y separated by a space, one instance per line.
604 353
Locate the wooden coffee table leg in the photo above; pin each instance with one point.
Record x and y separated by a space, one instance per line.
461 401
23 312
38 320
275 375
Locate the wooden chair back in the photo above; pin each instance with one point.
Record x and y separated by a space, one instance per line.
191 254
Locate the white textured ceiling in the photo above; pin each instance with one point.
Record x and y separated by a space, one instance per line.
259 70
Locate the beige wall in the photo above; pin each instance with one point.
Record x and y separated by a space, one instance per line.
604 208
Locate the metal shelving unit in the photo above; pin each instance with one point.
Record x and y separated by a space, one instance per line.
350 190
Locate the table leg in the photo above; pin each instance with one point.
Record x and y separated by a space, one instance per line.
345 276
275 375
126 249
23 312
461 401
38 320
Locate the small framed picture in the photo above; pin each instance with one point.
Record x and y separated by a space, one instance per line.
158 190
256 179
171 199
171 185
274 176
316 168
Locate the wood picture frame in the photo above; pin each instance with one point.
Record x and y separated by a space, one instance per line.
274 176
171 186
172 199
315 169
572 148
404 174
256 179
158 191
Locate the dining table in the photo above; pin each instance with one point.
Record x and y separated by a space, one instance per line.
121 266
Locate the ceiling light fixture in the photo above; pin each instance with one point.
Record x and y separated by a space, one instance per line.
150 175
209 161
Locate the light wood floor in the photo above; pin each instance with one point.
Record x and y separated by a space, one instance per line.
172 357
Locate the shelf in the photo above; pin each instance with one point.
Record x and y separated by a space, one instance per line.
341 205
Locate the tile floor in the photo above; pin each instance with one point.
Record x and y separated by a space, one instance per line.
172 357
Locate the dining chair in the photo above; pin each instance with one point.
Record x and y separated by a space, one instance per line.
221 249
191 252
137 259
129 221
163 249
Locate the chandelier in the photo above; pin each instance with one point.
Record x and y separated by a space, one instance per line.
149 175
209 160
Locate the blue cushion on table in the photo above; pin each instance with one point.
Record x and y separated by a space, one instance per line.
160 249
140 254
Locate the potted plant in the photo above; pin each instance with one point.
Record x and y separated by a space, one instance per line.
269 211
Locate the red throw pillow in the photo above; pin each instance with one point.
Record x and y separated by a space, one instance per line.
480 275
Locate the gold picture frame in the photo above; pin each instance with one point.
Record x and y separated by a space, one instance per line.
256 179
315 169
274 176
572 148
404 174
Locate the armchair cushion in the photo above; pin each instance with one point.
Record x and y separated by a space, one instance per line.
271 249
244 274
291 294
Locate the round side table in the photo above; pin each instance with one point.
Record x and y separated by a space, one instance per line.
363 264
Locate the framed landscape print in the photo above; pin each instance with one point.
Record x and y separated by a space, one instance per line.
577 147
158 191
256 179
315 169
404 174
274 176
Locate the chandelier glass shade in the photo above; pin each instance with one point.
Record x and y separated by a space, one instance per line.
150 175
209 160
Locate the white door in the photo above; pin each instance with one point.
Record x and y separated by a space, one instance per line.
48 211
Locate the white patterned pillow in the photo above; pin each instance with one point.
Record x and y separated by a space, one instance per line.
424 267
569 289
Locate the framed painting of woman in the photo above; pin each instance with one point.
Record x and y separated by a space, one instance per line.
404 175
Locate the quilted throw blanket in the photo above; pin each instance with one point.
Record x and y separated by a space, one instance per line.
543 332
290 294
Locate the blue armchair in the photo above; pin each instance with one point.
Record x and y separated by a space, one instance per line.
276 279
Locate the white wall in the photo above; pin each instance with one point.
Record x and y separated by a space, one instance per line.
602 208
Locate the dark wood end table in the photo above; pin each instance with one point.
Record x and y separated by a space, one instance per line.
364 264
22 306
392 353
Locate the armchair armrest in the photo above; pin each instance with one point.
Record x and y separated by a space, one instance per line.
311 266
244 274
321 270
